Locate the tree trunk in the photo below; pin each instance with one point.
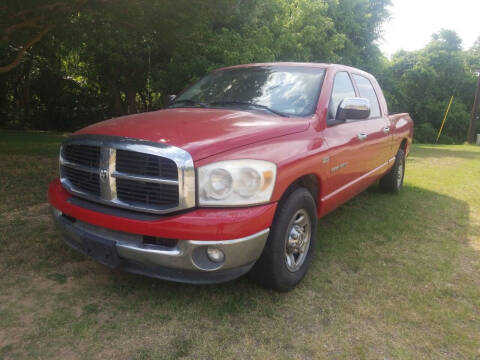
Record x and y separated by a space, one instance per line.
117 103
26 91
132 101
144 101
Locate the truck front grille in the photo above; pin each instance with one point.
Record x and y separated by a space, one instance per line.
147 193
85 181
83 155
127 173
145 164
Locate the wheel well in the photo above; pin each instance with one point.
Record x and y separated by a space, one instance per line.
309 182
403 145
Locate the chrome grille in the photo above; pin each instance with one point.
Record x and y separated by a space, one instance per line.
147 193
146 164
128 173
83 155
85 181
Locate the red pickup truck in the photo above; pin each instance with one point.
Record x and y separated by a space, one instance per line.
232 176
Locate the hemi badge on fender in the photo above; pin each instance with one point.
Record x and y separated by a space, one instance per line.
326 159
341 166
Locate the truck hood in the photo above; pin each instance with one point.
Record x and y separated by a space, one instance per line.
201 132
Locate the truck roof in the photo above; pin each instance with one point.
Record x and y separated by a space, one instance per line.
298 64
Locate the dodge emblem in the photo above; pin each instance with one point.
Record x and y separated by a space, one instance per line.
103 174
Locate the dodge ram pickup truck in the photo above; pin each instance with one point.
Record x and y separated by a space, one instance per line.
232 176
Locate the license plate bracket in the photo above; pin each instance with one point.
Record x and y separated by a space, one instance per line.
102 250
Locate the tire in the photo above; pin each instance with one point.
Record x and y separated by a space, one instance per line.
285 260
393 181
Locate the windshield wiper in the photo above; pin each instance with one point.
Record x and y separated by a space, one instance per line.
189 101
246 103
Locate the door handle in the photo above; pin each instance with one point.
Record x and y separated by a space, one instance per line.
386 129
362 136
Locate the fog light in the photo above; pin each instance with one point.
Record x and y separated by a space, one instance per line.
215 255
56 212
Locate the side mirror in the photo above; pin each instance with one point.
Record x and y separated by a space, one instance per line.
169 100
353 109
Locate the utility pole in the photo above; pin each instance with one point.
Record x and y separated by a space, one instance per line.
471 128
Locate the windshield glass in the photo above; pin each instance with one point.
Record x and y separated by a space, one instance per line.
286 90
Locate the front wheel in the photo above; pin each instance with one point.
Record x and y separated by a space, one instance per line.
291 243
393 180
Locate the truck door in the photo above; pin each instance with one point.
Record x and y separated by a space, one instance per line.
346 146
377 127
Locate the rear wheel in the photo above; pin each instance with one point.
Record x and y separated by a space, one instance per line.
393 180
291 243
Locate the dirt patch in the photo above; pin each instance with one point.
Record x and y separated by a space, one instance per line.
38 211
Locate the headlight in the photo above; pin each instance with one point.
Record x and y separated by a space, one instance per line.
236 182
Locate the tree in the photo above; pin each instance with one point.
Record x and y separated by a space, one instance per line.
422 82
360 21
72 62
25 23
474 55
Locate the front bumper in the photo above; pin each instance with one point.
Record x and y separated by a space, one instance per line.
186 261
205 224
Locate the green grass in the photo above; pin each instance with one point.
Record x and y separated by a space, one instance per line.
395 277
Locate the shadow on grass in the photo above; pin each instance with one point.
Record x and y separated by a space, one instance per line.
453 151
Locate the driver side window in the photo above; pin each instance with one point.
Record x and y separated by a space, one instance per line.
342 88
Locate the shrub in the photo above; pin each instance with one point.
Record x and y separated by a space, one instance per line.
425 134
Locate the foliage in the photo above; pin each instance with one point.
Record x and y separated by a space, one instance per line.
422 82
25 23
108 58
98 59
360 21
425 133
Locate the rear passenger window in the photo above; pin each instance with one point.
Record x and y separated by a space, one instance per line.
367 91
342 88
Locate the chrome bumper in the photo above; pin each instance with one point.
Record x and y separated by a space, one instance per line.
187 261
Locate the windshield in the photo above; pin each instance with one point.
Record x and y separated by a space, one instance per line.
283 90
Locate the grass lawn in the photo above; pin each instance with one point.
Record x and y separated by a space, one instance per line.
395 277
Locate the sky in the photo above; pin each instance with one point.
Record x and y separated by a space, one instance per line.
414 21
